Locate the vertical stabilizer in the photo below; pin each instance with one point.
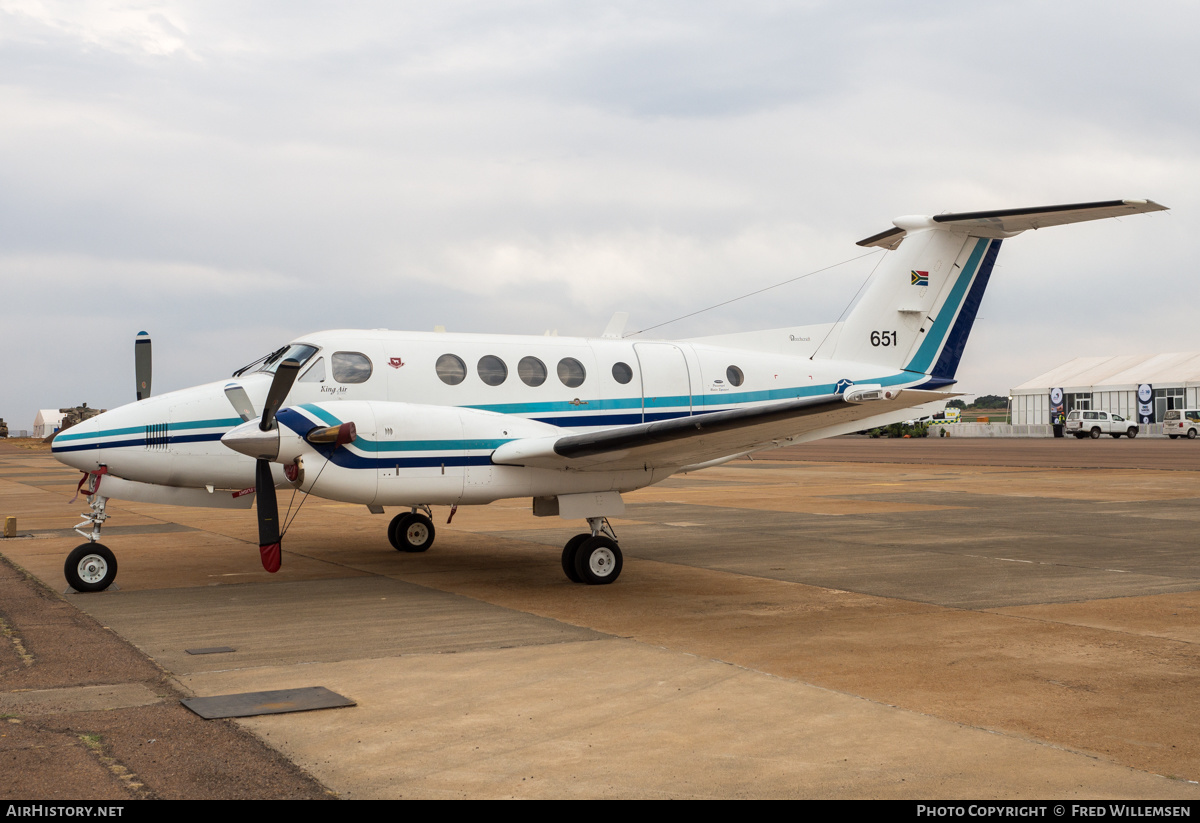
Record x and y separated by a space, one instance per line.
921 304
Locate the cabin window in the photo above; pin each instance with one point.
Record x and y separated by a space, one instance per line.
622 373
734 375
531 371
350 367
451 369
571 373
492 370
315 373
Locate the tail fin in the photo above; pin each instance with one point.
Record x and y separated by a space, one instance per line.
918 311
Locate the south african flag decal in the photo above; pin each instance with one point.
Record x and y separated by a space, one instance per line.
920 278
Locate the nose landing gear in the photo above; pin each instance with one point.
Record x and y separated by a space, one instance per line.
91 567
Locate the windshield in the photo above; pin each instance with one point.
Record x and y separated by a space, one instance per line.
297 351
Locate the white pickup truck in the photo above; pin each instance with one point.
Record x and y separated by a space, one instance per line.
1095 423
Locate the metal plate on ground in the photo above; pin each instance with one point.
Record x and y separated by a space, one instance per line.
212 650
252 704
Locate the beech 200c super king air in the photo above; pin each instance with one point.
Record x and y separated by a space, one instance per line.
414 420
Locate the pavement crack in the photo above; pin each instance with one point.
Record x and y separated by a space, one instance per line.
95 744
22 652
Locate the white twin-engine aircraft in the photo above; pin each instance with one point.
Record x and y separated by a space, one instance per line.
414 420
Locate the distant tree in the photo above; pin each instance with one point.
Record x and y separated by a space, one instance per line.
990 401
956 404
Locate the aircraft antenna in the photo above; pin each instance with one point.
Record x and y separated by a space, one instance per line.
848 305
751 294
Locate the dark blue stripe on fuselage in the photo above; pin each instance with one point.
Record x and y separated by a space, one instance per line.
123 444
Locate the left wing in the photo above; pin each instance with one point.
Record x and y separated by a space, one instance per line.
689 441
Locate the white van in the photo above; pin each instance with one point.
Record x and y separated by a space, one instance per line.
1181 423
1092 424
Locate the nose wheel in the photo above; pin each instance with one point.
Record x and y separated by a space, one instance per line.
90 568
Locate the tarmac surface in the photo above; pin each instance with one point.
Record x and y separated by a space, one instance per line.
852 618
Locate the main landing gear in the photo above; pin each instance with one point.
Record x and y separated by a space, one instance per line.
91 567
593 557
412 531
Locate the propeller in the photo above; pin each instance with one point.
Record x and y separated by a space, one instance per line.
141 364
264 447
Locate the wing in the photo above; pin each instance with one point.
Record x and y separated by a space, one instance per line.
689 441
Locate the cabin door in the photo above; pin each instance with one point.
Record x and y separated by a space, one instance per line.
666 381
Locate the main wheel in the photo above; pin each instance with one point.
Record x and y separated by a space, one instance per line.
411 532
395 527
1096 434
598 561
1132 433
568 556
90 568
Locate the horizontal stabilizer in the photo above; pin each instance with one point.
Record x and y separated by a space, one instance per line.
1003 223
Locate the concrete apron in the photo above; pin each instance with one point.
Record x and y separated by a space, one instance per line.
479 671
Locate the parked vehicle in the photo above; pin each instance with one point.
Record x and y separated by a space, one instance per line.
1181 423
1095 423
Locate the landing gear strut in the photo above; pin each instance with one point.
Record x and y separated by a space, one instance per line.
411 531
593 557
91 567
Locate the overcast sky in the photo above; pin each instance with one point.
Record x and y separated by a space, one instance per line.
230 176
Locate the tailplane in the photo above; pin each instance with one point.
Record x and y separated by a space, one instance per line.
921 304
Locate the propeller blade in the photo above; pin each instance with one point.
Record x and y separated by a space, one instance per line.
240 401
141 364
337 435
268 516
285 376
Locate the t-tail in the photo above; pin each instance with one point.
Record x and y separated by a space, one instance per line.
918 310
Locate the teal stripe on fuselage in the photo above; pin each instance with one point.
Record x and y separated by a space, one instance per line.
575 412
923 360
224 422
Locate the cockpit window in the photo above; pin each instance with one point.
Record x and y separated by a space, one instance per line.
315 373
350 367
297 351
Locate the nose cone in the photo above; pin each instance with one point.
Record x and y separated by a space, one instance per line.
250 440
78 446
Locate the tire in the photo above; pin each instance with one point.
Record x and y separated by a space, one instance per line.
598 561
90 568
1191 435
1132 433
1096 434
1116 435
568 556
394 529
412 533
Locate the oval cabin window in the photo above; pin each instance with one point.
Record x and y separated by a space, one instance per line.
492 370
451 369
734 375
531 371
622 373
571 373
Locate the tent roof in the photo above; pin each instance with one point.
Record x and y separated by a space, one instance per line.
1119 371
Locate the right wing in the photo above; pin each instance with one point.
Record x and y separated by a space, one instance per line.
689 441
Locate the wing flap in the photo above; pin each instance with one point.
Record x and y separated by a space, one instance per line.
700 438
